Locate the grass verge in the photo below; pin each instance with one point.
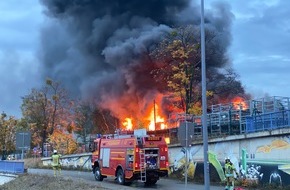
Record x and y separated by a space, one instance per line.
40 182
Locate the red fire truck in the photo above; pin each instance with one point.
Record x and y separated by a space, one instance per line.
129 158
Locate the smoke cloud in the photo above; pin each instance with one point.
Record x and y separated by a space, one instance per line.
99 49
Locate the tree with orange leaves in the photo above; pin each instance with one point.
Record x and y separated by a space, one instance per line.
7 134
63 142
46 109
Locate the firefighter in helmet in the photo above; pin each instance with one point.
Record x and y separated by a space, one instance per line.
230 170
56 162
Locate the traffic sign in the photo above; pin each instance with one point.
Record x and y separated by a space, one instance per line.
23 140
185 133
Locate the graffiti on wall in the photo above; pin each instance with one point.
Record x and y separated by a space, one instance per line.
178 162
275 144
76 161
266 160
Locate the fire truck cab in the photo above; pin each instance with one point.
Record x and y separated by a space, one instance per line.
129 158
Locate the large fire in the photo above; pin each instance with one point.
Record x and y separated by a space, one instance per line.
153 119
239 103
128 123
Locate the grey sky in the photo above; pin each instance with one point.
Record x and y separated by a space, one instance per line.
19 30
261 43
259 50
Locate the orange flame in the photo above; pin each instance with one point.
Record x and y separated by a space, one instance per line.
151 120
128 123
158 119
239 103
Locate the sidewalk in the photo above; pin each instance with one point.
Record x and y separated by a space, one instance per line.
4 178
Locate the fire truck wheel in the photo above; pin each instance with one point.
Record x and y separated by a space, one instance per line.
120 177
98 175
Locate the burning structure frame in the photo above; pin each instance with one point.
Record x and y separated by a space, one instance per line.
236 118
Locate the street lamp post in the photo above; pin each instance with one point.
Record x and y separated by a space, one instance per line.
204 103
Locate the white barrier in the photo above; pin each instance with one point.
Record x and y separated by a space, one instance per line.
73 161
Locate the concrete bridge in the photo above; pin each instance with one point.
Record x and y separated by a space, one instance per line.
267 156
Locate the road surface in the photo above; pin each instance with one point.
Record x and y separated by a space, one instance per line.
110 183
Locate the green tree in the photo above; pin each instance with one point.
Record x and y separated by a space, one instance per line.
47 109
178 63
7 134
178 68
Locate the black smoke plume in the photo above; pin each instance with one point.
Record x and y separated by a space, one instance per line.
99 49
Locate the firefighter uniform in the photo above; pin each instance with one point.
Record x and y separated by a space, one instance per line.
56 163
229 173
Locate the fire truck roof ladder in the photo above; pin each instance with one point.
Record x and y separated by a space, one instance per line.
142 165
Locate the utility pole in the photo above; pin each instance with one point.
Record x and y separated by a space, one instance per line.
204 103
154 110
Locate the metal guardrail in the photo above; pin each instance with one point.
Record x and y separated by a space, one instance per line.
269 121
240 117
12 166
226 124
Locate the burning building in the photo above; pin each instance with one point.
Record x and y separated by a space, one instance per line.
100 50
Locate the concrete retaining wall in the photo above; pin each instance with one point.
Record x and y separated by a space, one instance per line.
267 156
267 159
74 161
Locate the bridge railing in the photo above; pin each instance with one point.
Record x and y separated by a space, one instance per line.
268 121
235 123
